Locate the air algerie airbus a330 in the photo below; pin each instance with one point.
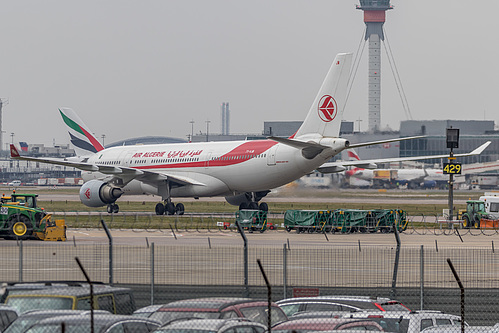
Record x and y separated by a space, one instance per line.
241 171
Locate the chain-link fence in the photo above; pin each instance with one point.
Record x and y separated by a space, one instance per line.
158 274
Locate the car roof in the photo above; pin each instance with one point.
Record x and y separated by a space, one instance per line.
336 298
99 318
398 314
69 291
214 303
304 321
149 308
211 324
45 313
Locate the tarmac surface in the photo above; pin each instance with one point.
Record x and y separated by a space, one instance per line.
274 237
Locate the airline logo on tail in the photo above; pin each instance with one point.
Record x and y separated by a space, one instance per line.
80 137
327 108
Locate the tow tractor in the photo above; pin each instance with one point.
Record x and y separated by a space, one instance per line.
21 218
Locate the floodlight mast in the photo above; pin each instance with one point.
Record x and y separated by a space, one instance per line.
374 18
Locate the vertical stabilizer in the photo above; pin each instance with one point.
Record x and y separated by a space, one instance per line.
325 114
82 139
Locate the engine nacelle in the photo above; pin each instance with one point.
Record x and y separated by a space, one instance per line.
96 193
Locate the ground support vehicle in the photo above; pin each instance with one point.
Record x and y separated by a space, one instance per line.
307 220
21 218
252 219
355 220
475 212
113 299
345 220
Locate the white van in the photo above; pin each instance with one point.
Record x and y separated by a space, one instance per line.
491 205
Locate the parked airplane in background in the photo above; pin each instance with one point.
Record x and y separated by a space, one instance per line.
413 177
242 171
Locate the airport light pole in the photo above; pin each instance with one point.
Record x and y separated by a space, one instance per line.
452 137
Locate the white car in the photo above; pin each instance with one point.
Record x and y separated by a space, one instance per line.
15 183
408 322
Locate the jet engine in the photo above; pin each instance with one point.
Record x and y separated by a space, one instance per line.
96 193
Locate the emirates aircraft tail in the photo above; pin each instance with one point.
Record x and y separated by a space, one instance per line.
82 139
325 114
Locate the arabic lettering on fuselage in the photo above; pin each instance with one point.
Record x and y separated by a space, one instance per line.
169 154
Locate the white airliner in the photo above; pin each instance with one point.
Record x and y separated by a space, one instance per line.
241 171
414 177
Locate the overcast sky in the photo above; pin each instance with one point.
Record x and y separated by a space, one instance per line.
137 68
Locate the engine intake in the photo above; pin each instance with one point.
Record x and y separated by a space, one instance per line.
97 193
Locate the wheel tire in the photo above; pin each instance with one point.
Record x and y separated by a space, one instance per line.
243 205
288 229
20 228
253 205
476 223
160 208
170 208
109 209
180 209
466 222
116 209
263 206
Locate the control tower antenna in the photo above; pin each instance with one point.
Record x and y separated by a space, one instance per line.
374 18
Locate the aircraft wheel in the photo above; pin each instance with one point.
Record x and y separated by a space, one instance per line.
170 208
264 206
243 205
116 209
180 209
160 208
253 205
110 209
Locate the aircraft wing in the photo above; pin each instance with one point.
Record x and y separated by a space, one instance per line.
372 164
124 173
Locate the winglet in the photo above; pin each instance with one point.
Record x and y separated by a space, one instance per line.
480 149
14 153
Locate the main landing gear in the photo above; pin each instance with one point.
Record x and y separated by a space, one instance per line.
113 208
254 205
169 208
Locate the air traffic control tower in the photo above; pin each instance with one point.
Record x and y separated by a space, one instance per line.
374 18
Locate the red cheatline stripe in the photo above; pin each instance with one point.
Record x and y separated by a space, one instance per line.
93 141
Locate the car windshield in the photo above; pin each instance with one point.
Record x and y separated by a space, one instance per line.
20 324
23 304
259 314
167 316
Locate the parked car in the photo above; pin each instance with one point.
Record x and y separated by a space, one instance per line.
408 322
339 303
112 299
212 326
326 324
147 311
26 320
103 323
457 329
7 316
219 308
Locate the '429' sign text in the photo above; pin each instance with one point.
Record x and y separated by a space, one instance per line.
452 168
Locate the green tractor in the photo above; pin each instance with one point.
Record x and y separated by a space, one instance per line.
475 211
21 218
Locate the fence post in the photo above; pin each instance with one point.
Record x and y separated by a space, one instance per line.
108 233
421 274
21 260
152 273
397 258
461 287
285 271
245 254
